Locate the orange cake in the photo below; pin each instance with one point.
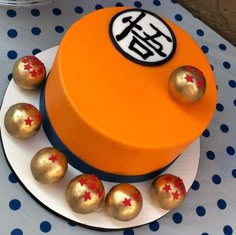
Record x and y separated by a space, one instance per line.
107 102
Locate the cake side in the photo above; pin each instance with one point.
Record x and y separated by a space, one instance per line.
116 115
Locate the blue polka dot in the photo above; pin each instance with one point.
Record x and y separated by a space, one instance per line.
221 203
98 6
224 128
79 10
228 230
36 51
137 4
59 29
156 2
222 47
212 67
230 150
210 155
12 177
195 185
119 4
72 223
201 211
128 232
154 226
45 226
200 32
9 77
232 83
14 204
16 231
178 17
216 179
174 1
12 33
206 133
11 13
204 234
234 102
177 218
12 54
36 31
56 11
219 107
234 173
35 12
205 49
226 65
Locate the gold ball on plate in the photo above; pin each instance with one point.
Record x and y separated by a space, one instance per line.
85 194
48 165
22 120
123 202
29 72
187 84
168 191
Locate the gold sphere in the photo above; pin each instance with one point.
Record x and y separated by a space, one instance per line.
187 84
22 120
123 202
85 194
168 191
29 72
48 165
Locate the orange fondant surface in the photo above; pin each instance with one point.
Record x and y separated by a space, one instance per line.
118 115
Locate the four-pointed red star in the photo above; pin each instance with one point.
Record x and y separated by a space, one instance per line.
87 196
127 202
53 158
176 195
189 78
199 84
82 181
28 121
167 188
27 67
136 196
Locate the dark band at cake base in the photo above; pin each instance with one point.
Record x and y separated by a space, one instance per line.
79 164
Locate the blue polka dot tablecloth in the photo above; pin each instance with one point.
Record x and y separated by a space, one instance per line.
210 205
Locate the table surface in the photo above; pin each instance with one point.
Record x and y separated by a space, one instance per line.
209 207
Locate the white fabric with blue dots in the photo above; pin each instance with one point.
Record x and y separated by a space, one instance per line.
210 206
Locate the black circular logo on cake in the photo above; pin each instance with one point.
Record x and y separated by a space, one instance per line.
142 37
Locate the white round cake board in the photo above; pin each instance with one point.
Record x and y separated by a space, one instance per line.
20 152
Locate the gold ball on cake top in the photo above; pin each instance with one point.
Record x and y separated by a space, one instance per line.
187 84
123 202
29 72
85 194
48 165
22 120
168 191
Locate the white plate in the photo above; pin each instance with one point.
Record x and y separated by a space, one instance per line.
20 152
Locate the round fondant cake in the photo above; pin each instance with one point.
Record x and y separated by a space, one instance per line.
107 102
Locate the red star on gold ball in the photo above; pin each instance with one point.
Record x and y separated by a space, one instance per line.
176 195
53 158
27 67
137 196
127 202
200 84
28 121
189 78
167 188
87 196
82 181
